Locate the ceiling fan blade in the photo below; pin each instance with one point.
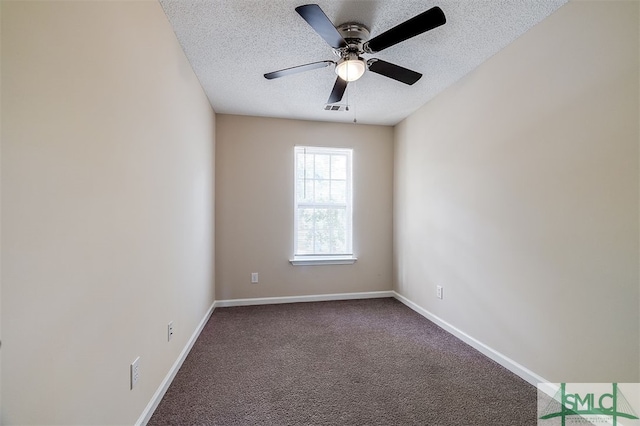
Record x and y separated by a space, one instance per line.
426 21
321 24
393 71
338 91
295 70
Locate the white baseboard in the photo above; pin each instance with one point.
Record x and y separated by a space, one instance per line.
162 389
501 359
298 299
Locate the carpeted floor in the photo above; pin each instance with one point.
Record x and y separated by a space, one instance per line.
360 362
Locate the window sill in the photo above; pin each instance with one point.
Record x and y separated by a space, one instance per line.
323 260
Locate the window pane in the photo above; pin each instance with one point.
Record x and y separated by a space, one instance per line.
321 219
322 245
323 166
305 242
299 165
338 191
338 167
338 241
308 165
323 191
305 219
304 191
309 196
339 218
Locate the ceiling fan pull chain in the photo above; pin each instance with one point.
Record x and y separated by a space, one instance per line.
348 91
355 120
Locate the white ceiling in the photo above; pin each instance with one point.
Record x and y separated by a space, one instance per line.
232 43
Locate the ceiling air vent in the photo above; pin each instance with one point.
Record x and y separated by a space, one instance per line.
333 107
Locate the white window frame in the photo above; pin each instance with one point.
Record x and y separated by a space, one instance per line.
334 258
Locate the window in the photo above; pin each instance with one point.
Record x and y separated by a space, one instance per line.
323 206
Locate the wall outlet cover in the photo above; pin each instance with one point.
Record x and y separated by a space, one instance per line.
135 372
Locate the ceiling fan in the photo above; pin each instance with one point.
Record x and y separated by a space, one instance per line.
350 40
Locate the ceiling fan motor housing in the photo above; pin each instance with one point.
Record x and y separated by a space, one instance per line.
355 35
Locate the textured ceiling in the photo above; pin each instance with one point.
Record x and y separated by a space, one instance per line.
232 43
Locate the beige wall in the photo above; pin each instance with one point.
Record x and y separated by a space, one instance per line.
517 190
254 207
107 208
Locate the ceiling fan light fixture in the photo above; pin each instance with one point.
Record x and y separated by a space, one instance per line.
351 68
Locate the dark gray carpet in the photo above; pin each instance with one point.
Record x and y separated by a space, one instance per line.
360 362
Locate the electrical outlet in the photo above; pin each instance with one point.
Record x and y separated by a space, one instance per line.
169 331
254 278
135 372
439 291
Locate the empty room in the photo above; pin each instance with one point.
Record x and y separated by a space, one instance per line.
349 212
